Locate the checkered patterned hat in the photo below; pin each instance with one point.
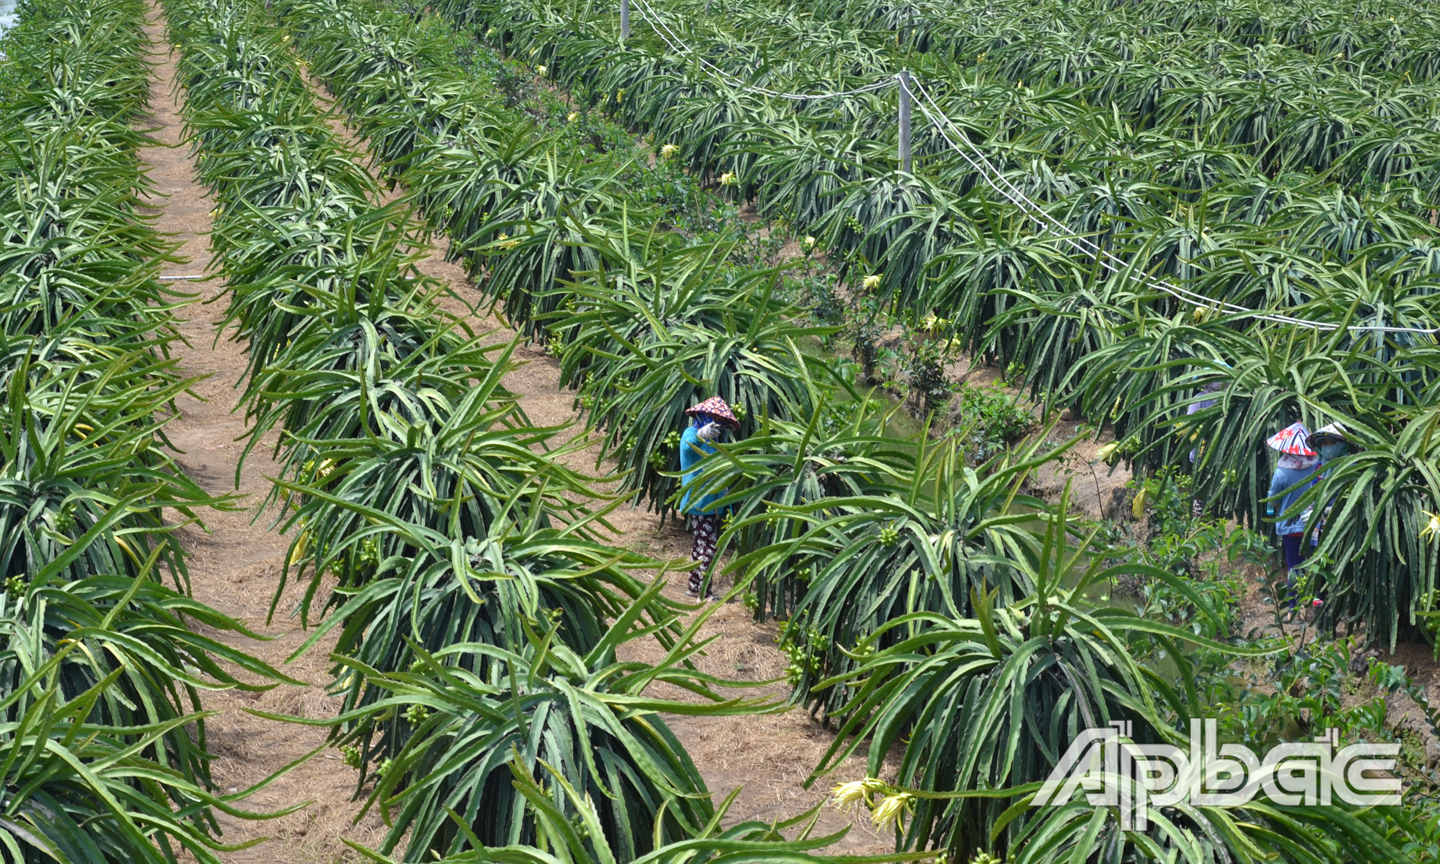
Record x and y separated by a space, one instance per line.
715 407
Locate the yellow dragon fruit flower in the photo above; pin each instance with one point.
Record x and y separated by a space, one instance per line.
857 791
1432 528
300 549
892 809
849 793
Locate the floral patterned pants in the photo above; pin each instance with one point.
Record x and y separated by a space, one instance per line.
707 532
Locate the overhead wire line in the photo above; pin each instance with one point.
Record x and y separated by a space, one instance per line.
1104 257
1002 184
997 180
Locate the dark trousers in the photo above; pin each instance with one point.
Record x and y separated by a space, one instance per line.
1295 550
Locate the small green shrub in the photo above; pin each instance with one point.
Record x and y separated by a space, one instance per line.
925 369
864 326
988 420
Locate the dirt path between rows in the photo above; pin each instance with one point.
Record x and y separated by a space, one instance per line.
234 567
770 756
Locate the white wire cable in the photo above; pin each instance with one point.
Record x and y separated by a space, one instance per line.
1043 218
1111 262
679 46
1009 190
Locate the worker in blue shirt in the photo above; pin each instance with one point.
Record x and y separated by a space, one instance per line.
1294 473
709 421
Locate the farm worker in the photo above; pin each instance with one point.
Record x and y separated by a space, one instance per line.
1294 472
1214 386
1331 443
1211 387
709 421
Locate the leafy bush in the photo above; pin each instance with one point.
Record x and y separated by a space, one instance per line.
98 796
647 348
925 369
583 716
1376 507
921 548
359 371
372 505
987 420
82 482
990 700
116 651
491 590
576 832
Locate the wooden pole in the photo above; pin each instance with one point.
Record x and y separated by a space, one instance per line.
905 121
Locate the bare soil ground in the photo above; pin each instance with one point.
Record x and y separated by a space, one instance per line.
236 564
